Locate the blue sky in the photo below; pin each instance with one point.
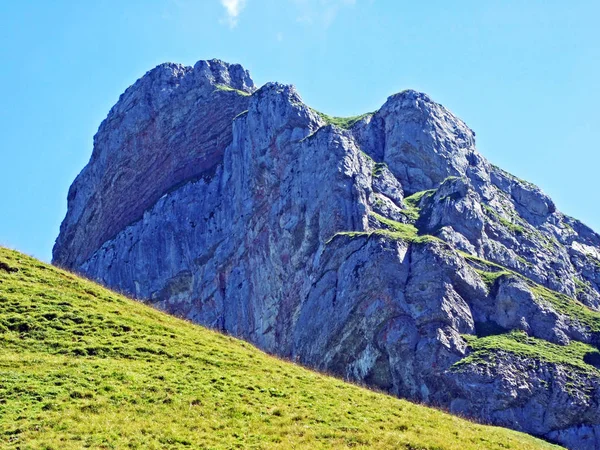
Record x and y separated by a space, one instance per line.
523 75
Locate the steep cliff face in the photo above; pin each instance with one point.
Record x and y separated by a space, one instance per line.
384 249
149 145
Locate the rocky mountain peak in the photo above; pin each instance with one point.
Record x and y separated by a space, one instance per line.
171 125
421 142
220 72
382 248
409 98
276 107
156 88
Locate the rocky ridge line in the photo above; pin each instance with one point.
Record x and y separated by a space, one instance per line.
384 248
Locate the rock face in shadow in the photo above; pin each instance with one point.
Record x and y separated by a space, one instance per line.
388 252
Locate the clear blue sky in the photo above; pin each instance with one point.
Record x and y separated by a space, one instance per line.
523 74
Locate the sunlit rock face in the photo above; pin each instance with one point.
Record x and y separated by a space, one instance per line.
383 249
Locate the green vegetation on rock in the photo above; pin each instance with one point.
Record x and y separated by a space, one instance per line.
342 122
513 227
393 230
402 231
489 278
593 261
414 199
582 286
224 87
407 229
480 262
404 235
413 211
378 168
562 303
577 355
568 306
520 344
84 367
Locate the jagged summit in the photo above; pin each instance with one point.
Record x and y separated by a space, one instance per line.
421 141
383 248
213 71
137 138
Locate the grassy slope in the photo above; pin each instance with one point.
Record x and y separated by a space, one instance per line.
81 366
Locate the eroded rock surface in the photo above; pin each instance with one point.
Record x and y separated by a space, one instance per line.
388 252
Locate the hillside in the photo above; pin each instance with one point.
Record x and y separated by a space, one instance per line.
84 367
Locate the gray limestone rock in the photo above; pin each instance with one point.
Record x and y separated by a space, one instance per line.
390 253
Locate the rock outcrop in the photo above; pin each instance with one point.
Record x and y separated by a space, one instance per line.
384 248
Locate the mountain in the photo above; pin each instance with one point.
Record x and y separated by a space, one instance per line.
381 248
83 367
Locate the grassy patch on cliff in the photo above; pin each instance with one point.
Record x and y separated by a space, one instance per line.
512 227
414 199
562 303
567 305
489 278
84 367
224 87
378 169
392 230
484 264
404 231
342 122
412 202
576 355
